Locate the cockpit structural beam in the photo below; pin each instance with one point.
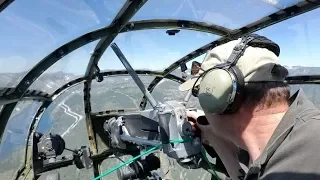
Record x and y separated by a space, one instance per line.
122 18
75 82
272 19
52 58
69 47
178 24
6 98
4 4
125 14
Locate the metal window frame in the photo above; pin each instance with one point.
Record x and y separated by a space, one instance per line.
120 24
267 21
34 124
53 57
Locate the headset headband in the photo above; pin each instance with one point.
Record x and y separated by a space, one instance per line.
237 52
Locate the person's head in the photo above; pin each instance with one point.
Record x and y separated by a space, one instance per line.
258 85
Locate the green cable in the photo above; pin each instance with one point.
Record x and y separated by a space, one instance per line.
210 165
127 162
145 153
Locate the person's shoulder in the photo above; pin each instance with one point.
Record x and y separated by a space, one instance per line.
307 111
296 156
302 109
306 118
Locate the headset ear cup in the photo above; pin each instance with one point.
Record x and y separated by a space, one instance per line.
215 91
239 90
222 88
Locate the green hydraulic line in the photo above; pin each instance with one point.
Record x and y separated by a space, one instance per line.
148 152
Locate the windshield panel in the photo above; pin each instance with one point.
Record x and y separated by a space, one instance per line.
281 4
167 90
117 92
231 14
68 68
299 44
312 91
178 72
29 31
153 49
66 117
13 143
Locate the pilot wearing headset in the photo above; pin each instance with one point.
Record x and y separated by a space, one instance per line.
248 112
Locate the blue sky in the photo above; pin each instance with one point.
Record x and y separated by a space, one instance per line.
31 30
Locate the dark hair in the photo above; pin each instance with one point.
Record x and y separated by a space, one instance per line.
267 94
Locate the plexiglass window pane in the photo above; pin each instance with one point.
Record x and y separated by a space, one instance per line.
281 4
154 49
30 30
13 142
167 90
312 91
178 71
66 117
118 92
68 68
231 14
299 42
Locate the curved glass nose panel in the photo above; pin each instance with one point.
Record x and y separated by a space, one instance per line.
13 142
117 92
65 116
299 43
231 14
30 30
153 49
68 68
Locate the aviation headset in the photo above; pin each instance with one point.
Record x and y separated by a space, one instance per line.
227 81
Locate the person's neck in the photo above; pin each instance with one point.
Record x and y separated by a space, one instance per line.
256 131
